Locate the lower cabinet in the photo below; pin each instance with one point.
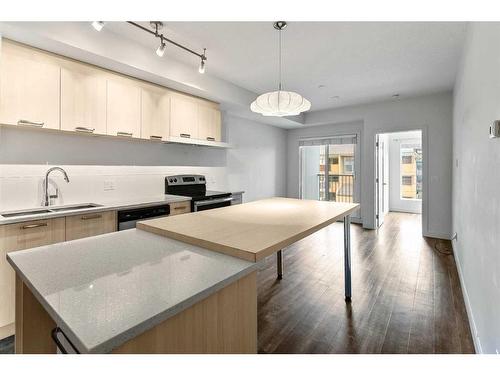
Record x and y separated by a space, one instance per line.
87 225
21 236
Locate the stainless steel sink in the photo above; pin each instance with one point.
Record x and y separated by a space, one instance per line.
75 207
37 211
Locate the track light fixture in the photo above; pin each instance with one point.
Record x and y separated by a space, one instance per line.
160 51
98 25
201 69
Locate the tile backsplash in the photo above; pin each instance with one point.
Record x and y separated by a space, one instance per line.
21 186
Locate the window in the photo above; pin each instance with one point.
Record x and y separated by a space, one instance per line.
407 180
334 160
348 165
407 159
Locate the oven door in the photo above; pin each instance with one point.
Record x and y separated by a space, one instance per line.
211 203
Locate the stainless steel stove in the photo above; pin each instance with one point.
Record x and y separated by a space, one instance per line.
195 186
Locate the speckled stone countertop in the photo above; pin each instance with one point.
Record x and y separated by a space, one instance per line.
102 291
108 206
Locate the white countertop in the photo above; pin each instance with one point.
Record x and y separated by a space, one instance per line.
102 291
107 206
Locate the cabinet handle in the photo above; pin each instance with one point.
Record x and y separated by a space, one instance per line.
124 134
37 124
90 217
31 226
180 208
156 137
185 135
210 139
83 129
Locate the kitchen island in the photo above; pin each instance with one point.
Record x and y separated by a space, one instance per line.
133 292
182 284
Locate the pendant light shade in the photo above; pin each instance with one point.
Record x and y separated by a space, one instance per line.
280 103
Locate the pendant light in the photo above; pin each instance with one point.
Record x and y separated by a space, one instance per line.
280 103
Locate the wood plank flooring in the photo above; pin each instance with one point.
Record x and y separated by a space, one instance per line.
406 294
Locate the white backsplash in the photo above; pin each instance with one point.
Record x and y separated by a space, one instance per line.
21 185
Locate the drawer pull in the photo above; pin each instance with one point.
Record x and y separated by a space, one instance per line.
90 217
180 208
185 135
124 134
155 137
83 129
31 226
210 139
37 124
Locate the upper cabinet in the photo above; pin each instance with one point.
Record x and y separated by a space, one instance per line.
83 99
29 87
123 107
183 116
209 123
155 113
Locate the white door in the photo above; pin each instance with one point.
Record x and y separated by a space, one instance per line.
382 178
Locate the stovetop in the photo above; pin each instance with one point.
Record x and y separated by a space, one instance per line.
193 186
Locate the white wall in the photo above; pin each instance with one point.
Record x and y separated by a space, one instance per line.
396 203
433 113
476 182
256 164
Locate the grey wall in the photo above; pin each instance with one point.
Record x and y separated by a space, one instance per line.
433 113
257 164
476 182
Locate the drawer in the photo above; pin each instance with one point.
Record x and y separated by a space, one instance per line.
90 224
178 208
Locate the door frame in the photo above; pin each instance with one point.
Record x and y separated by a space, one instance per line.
425 172
356 216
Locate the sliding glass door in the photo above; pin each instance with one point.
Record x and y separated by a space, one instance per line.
328 169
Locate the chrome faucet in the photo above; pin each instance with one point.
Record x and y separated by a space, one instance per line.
47 196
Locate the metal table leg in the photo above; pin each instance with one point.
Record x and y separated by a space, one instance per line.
279 264
347 258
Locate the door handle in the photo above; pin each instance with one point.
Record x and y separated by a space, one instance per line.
37 124
83 129
124 134
185 135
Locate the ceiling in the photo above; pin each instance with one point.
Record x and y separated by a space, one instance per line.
355 62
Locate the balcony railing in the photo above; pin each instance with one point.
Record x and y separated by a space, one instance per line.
340 188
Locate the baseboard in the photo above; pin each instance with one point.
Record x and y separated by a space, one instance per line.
470 315
418 212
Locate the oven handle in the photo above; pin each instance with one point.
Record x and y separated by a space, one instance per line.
213 201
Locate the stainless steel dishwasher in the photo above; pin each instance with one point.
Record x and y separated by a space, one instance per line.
128 218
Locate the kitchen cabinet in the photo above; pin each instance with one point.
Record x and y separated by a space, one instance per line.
29 87
178 208
155 112
83 99
91 224
183 116
21 236
123 112
209 123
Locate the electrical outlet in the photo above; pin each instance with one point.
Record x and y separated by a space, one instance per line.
109 185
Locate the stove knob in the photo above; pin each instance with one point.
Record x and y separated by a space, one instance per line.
171 180
175 180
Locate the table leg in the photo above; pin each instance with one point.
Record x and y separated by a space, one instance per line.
279 264
347 258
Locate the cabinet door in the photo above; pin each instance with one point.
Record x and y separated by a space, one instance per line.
209 123
155 105
83 99
87 225
19 237
29 87
183 117
123 108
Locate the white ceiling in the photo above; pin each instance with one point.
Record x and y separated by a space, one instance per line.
358 61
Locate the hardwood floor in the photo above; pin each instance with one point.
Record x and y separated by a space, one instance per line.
406 294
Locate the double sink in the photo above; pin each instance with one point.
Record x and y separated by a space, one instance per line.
36 211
